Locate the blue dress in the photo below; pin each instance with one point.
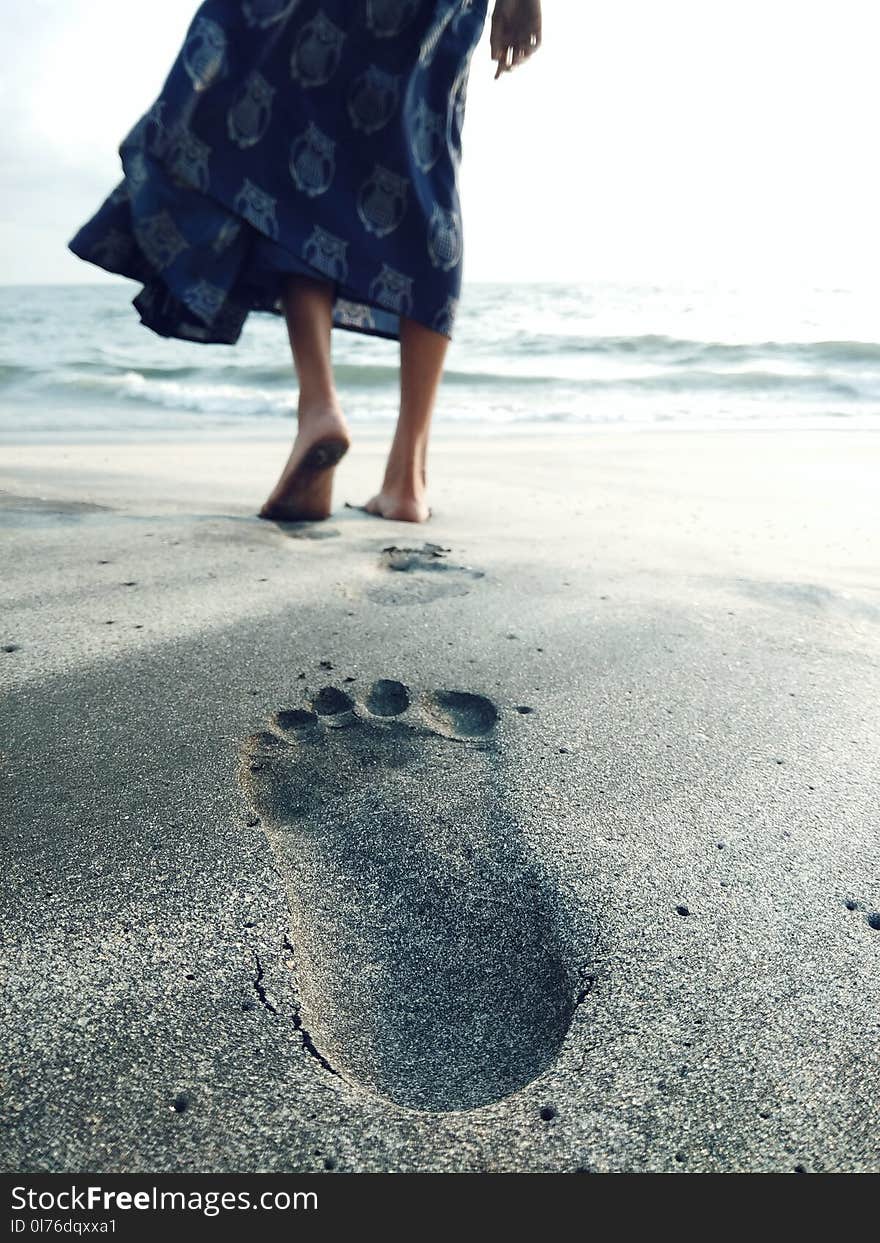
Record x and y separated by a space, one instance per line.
320 137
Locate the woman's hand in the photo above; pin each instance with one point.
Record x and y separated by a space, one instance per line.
516 33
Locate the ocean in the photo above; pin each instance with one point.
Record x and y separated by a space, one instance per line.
75 363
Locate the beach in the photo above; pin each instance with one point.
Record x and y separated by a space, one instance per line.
539 838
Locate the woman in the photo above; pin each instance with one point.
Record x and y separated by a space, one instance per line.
302 158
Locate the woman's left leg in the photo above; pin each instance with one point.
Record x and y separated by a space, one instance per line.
304 491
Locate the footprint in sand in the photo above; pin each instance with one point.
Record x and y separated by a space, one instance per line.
307 530
35 510
428 942
419 575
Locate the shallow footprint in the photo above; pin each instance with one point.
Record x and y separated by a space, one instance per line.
307 530
428 944
425 575
32 511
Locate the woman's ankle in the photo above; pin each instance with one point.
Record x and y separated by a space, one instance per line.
405 475
399 507
405 490
318 411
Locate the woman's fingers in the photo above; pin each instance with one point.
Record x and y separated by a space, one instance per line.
511 56
511 43
504 57
500 38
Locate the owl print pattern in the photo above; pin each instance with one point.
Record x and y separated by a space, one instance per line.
297 137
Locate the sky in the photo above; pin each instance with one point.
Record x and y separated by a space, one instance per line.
648 140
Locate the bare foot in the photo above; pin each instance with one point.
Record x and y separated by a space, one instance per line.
304 493
399 507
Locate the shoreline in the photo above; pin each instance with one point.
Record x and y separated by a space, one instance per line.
281 431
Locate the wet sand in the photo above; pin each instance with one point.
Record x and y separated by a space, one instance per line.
542 837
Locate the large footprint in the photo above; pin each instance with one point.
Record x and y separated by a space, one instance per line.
427 943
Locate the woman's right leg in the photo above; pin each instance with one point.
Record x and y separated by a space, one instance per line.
403 495
304 491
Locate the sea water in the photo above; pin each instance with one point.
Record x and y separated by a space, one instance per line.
75 363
